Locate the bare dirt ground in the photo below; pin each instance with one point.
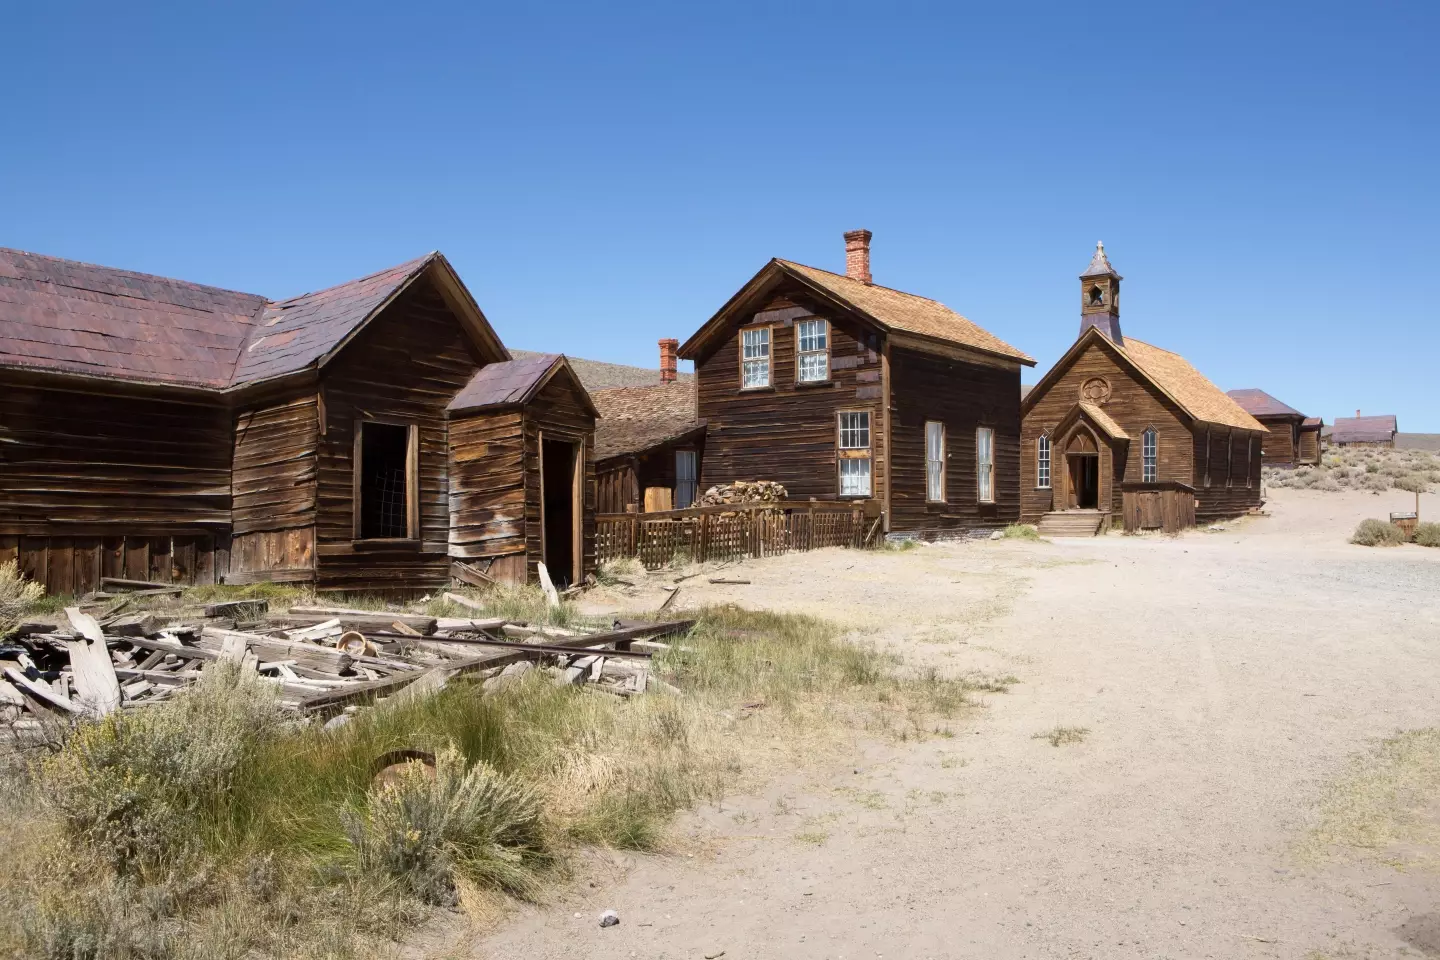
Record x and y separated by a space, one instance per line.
1226 680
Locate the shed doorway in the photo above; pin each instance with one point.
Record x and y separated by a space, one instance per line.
560 509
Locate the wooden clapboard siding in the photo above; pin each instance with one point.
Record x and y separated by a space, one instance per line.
75 565
273 482
964 396
1134 405
617 485
559 412
787 432
403 368
1281 443
487 485
287 555
1309 451
1224 491
103 459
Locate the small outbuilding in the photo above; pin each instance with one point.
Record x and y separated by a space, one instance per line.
1293 439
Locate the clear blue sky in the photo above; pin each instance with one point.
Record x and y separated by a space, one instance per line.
1264 175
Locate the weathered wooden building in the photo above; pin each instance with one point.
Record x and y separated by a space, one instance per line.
649 443
838 387
1371 431
157 429
1293 438
1122 429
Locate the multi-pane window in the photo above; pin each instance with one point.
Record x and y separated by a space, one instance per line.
1042 462
812 342
686 472
985 464
853 439
934 461
755 362
1148 460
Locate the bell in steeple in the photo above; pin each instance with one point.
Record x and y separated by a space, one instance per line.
1100 297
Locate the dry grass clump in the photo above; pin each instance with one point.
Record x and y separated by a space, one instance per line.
1385 803
1022 531
1427 534
18 596
1377 533
1059 736
214 826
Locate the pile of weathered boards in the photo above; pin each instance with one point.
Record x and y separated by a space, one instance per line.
325 661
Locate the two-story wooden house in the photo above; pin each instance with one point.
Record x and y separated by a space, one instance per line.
838 387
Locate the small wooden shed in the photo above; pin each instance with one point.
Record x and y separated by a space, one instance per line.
522 471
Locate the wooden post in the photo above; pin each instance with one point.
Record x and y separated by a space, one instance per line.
704 538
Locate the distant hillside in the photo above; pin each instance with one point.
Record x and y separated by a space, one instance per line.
1418 441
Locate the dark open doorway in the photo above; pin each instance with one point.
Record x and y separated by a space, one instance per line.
1084 481
559 493
384 482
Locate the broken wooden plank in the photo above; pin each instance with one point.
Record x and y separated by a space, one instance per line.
465 573
90 663
41 693
566 645
552 597
674 592
326 659
727 581
320 631
465 602
115 583
363 620
461 623
136 625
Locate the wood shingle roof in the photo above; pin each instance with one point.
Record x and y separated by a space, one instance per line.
637 418
1258 403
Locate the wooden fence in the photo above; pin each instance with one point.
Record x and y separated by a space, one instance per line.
1168 506
735 532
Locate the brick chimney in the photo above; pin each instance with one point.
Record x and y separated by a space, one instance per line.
857 255
669 363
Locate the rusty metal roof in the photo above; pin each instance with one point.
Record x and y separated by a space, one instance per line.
78 318
1376 429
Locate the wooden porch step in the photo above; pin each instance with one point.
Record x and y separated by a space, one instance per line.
1070 523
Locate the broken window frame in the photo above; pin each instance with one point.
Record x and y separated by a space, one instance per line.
412 481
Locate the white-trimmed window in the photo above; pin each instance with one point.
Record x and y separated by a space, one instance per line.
1042 462
755 357
812 351
853 449
1149 462
985 464
934 461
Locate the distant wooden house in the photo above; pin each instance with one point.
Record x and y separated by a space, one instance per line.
1293 438
649 443
1122 430
840 388
156 429
1358 431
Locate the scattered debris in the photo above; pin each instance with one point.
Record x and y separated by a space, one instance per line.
325 661
729 582
609 919
743 491
548 585
674 592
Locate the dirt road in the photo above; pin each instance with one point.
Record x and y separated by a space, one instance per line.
1224 680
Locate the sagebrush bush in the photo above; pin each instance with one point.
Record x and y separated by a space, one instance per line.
1022 531
17 596
1427 534
1377 533
462 819
130 788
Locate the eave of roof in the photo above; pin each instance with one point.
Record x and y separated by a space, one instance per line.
887 309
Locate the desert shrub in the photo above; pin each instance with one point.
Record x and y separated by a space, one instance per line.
470 820
17 596
1329 485
1413 482
1371 466
1376 481
612 570
1377 533
1022 531
130 788
1428 534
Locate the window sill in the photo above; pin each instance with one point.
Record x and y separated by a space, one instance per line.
386 543
756 390
814 384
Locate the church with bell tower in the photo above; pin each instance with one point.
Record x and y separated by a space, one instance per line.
1123 433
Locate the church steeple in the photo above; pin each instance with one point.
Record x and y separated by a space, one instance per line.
1100 297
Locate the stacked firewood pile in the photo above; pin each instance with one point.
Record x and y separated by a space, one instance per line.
743 492
322 660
